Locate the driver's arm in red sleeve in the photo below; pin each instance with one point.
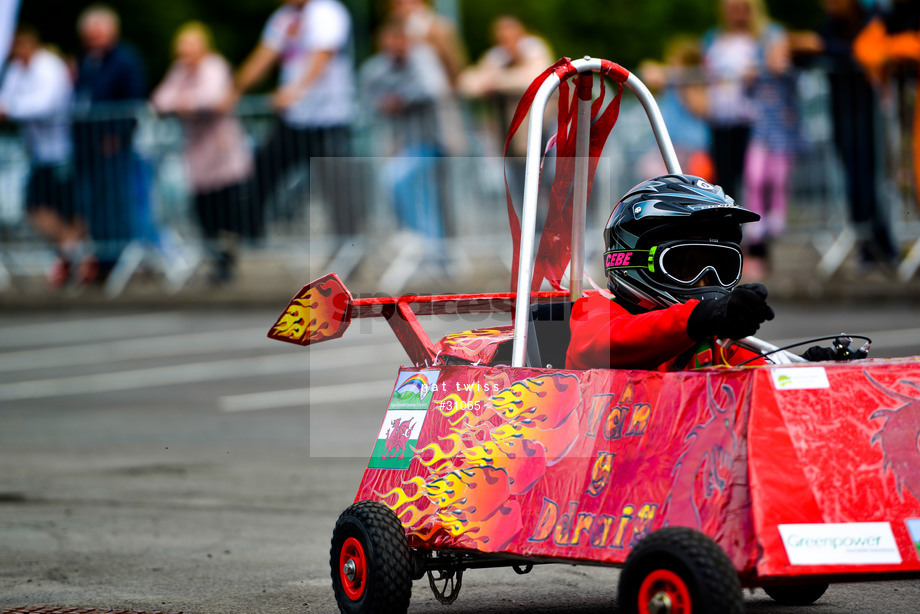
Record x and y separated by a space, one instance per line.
605 335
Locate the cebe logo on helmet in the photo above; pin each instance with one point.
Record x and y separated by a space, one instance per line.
674 238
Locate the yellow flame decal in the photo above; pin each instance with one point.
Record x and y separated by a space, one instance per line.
310 315
460 338
454 526
402 497
292 323
410 516
437 453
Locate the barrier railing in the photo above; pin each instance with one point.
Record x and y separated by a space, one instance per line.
367 199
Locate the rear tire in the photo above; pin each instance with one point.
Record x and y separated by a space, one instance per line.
677 570
801 594
370 560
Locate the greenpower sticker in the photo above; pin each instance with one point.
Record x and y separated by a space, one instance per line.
799 378
842 543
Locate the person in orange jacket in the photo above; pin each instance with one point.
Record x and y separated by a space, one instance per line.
887 42
673 262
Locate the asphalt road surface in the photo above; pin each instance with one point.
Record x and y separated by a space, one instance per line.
180 461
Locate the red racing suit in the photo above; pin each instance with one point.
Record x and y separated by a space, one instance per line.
605 336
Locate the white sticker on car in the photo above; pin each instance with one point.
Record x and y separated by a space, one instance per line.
845 543
799 378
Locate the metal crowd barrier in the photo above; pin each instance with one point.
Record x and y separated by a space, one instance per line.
377 203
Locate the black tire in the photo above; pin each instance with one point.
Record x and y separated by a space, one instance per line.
370 535
682 566
799 594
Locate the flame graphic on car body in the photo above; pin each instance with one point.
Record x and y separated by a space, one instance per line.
312 315
489 455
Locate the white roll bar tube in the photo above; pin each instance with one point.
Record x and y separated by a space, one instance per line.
584 91
532 184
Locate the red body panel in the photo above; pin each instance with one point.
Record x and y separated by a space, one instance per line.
579 465
844 454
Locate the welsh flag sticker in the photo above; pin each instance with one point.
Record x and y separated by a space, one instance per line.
398 437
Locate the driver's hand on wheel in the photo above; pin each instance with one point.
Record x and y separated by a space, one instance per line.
817 353
733 316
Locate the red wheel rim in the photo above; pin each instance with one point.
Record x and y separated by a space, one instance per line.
353 568
664 591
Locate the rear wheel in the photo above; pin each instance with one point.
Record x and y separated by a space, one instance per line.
801 594
677 570
370 560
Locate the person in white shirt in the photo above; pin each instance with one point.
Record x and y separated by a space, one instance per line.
310 41
507 68
503 74
36 94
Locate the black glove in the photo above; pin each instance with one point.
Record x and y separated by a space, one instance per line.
841 350
733 316
816 353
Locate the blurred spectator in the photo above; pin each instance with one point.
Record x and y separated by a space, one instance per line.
889 48
732 54
770 154
403 84
501 76
424 25
310 39
682 98
426 28
36 93
110 182
511 65
854 112
218 161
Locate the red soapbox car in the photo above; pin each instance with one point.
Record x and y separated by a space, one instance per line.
696 483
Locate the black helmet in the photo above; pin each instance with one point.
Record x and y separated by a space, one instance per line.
673 238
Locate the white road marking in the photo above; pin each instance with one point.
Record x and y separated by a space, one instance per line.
315 395
276 364
150 347
92 329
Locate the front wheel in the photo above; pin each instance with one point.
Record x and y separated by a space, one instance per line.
370 560
676 570
801 594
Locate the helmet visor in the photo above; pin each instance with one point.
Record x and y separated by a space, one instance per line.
700 264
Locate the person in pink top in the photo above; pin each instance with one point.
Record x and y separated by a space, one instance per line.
218 162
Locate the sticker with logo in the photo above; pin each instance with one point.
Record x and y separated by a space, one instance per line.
846 543
619 259
414 390
913 526
398 437
799 378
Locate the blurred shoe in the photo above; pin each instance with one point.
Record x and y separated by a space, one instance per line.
59 273
224 270
89 271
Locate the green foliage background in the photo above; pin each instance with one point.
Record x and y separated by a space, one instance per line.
621 30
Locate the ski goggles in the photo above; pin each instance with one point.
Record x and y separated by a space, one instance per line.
684 263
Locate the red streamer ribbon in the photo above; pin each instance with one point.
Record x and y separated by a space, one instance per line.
554 251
